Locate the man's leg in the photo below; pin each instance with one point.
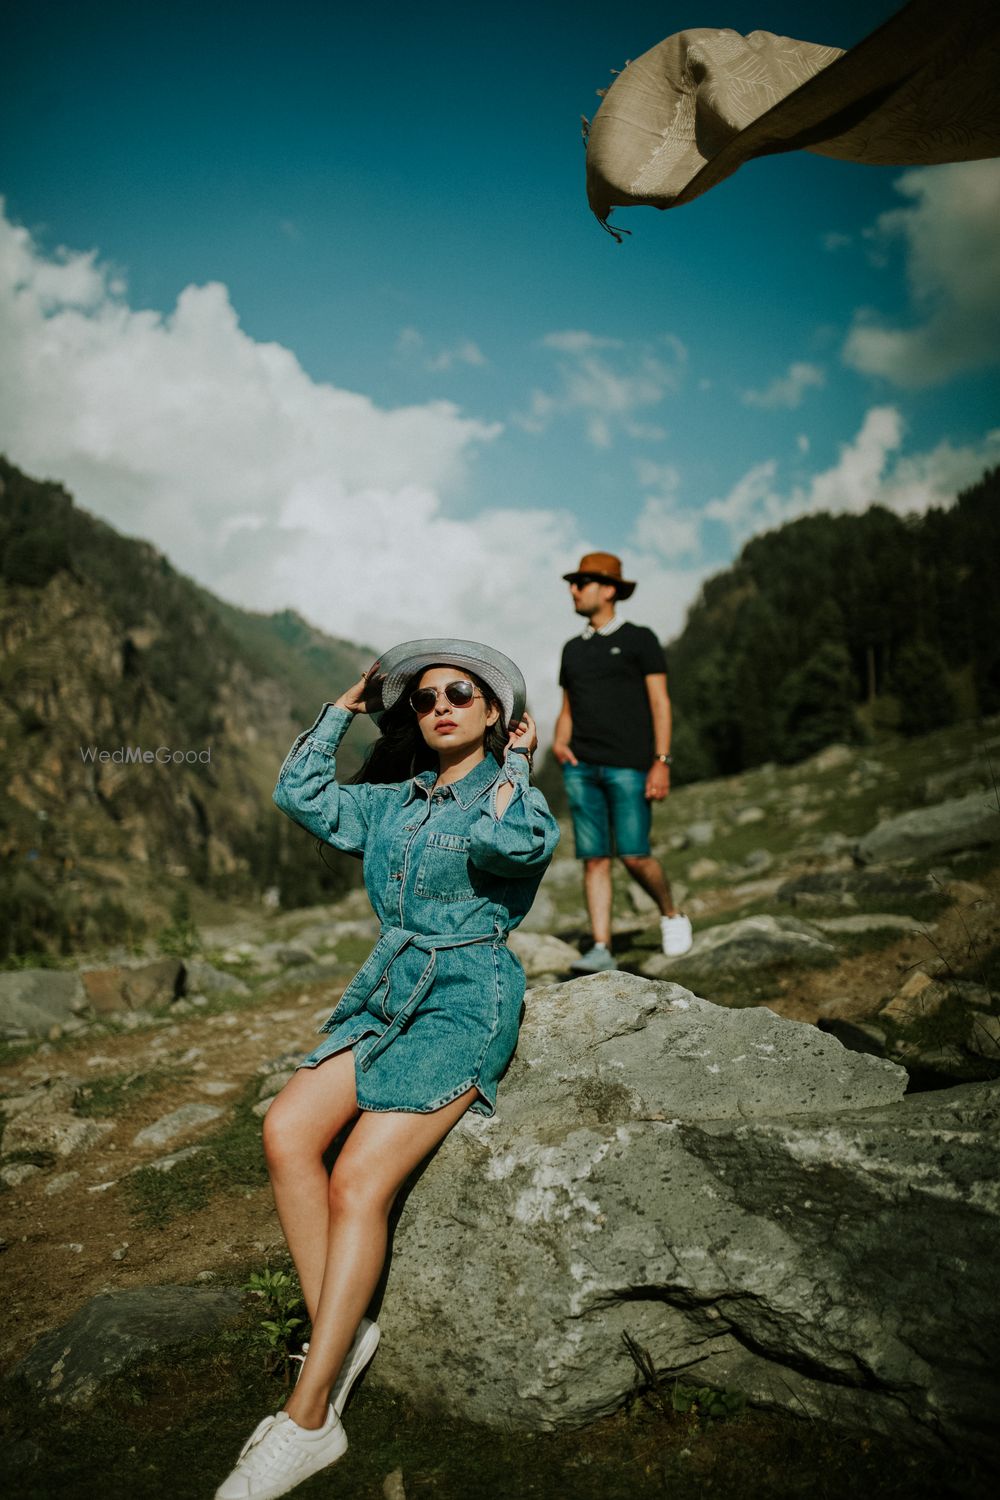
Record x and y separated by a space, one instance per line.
632 818
597 890
592 836
647 872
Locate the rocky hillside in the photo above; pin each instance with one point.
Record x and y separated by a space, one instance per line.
756 1203
106 648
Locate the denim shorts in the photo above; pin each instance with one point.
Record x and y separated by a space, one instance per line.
610 811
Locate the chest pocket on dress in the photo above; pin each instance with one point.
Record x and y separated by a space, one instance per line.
443 873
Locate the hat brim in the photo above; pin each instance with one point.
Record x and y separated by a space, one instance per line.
624 587
402 662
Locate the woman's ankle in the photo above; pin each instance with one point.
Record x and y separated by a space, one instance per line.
307 1413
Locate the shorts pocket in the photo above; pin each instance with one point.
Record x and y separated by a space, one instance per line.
443 872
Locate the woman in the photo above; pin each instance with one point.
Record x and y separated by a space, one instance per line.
455 842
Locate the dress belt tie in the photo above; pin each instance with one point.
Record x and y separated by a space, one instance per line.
391 943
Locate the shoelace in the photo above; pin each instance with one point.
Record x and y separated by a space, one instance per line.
258 1459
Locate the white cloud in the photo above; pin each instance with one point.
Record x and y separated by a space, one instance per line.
270 488
834 241
870 470
802 442
786 390
952 247
606 382
411 342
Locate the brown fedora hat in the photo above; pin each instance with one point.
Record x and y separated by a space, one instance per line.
605 566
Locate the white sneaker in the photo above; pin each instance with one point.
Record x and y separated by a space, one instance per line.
279 1454
358 1355
597 960
675 933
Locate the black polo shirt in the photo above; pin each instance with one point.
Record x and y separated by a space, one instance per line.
605 677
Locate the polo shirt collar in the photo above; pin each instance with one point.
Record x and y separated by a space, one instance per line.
612 625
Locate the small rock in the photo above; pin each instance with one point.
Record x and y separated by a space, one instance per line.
202 978
700 833
205 1276
167 1163
17 1172
178 1122
964 823
214 1087
275 1082
63 1134
60 1182
758 859
832 758
703 869
262 1106
542 954
919 997
392 1486
984 1037
873 921
748 815
120 1253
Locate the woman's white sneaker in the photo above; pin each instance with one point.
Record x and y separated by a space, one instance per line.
676 934
280 1454
358 1356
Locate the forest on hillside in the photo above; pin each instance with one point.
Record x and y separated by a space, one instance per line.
833 627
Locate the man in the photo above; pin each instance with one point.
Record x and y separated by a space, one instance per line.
612 740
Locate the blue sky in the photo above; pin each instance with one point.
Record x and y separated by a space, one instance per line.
311 297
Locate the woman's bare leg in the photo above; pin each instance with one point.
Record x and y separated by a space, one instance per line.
381 1152
312 1108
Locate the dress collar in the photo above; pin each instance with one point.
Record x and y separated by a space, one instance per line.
612 625
465 792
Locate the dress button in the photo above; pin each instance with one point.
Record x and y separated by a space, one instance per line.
396 875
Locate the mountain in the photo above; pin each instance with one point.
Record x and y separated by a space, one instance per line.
106 647
832 626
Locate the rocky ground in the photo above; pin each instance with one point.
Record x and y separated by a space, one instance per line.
133 1085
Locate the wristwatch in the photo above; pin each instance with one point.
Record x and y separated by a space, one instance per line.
663 759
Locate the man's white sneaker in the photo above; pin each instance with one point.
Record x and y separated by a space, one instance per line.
279 1454
595 961
676 934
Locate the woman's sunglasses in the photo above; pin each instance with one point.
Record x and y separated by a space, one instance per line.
459 694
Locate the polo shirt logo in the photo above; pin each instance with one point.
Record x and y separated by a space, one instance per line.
616 651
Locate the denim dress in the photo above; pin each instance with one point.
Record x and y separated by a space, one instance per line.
435 1008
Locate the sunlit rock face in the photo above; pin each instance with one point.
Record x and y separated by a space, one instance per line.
759 1208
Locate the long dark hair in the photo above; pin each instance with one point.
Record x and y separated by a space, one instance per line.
401 750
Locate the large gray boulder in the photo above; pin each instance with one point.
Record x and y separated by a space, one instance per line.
926 832
759 1208
32 1001
749 943
71 1364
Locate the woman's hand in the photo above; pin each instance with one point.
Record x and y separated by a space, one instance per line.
354 699
524 736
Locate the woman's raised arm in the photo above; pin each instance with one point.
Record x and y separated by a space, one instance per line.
308 790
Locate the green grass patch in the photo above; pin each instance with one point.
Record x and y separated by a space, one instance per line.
173 1428
232 1160
114 1093
353 950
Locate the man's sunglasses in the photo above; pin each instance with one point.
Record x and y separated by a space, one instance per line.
580 580
459 694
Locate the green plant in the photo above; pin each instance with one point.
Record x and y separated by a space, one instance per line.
282 1299
180 937
701 1403
706 1403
